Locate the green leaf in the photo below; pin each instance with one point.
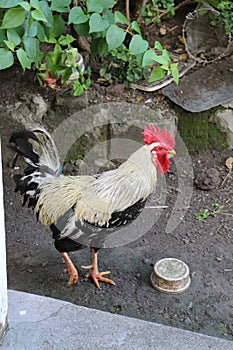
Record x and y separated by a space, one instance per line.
82 29
156 74
2 36
36 4
78 88
13 18
166 54
139 58
6 58
77 16
31 46
87 83
10 45
9 3
13 36
97 24
47 13
23 59
161 60
33 29
99 6
58 25
102 47
137 45
51 40
58 70
25 5
53 59
71 56
120 18
148 58
40 32
42 11
38 15
135 27
108 16
94 6
65 40
175 72
158 46
56 30
114 37
66 74
60 5
108 4
99 47
58 48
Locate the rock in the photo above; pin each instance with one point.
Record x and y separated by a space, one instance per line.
30 110
228 104
207 179
224 122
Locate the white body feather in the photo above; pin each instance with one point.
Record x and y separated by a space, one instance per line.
95 198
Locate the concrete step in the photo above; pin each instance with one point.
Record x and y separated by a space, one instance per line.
41 323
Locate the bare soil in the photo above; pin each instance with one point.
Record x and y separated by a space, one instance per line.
35 266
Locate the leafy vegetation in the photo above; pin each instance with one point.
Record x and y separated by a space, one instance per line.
121 42
216 209
27 24
202 215
62 63
225 18
154 10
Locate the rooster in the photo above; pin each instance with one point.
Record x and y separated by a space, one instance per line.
81 209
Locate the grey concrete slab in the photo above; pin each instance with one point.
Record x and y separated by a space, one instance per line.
40 323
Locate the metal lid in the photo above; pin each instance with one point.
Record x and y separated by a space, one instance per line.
170 275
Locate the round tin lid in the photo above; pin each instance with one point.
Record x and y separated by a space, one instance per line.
171 269
170 275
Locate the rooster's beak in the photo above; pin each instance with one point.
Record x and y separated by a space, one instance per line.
171 153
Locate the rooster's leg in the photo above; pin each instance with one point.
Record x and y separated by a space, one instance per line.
94 273
71 270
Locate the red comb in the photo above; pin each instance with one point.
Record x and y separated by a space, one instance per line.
152 134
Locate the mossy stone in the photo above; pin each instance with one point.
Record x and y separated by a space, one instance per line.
198 132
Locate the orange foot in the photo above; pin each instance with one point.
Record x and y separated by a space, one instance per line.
71 270
94 273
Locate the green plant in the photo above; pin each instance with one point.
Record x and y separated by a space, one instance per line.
217 209
225 18
203 214
152 12
118 40
27 24
60 63
24 25
54 61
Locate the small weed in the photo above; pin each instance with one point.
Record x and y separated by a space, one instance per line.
217 209
203 214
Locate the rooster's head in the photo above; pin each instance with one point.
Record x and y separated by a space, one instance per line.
160 144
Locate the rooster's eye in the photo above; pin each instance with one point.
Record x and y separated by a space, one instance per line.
160 148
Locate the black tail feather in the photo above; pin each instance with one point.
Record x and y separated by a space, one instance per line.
40 153
23 147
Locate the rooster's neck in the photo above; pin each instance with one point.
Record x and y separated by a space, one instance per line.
134 180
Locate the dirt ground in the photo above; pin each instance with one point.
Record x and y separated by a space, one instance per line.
35 266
